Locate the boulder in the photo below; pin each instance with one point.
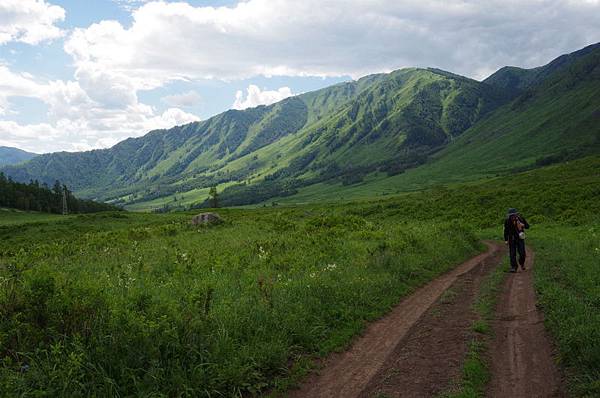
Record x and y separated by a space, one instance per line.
206 218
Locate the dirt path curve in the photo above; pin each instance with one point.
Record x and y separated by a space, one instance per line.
346 374
521 353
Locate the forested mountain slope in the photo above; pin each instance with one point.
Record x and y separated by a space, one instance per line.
10 155
385 121
553 119
403 130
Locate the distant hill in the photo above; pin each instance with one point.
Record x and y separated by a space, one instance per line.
393 132
518 79
10 155
556 118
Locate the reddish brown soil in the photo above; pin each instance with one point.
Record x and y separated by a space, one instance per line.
424 354
521 353
430 358
418 349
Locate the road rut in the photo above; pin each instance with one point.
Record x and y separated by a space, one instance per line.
521 354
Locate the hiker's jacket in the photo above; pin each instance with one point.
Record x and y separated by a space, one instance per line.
510 230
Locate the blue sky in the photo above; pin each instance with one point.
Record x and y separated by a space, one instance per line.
78 75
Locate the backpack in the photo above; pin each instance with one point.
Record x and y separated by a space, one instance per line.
519 225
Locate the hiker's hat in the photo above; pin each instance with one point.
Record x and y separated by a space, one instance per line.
512 211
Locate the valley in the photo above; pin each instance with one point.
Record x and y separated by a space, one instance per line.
357 249
410 129
247 306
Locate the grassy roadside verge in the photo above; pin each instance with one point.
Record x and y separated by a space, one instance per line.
475 372
567 281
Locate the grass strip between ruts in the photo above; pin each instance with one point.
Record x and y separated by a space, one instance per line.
475 372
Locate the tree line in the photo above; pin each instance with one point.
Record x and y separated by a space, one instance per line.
40 197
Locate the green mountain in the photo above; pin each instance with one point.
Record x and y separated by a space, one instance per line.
10 155
554 117
381 134
518 79
349 128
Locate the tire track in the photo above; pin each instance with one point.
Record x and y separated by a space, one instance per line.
521 354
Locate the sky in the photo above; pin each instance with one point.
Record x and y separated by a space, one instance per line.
84 74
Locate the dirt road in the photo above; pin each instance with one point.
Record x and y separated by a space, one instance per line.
428 361
418 349
347 374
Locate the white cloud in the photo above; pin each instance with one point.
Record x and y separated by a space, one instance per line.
29 21
172 117
130 5
169 41
185 100
332 38
16 135
256 97
14 84
77 120
111 90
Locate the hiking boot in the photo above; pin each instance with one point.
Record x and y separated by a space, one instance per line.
523 267
512 270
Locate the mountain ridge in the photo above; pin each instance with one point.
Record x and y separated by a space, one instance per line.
380 123
204 150
518 79
554 121
11 155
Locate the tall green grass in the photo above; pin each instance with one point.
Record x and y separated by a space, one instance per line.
567 279
131 306
562 192
17 217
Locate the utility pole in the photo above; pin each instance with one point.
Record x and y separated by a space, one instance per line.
65 210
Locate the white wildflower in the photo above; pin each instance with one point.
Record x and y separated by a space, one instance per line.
262 253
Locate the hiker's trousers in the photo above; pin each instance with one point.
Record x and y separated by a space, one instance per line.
514 246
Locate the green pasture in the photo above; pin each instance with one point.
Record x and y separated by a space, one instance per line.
138 304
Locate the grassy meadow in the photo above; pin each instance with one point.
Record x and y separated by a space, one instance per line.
493 187
16 217
134 304
128 304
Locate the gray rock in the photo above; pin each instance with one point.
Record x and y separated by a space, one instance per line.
206 218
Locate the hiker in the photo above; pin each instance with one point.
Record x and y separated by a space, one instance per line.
514 237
